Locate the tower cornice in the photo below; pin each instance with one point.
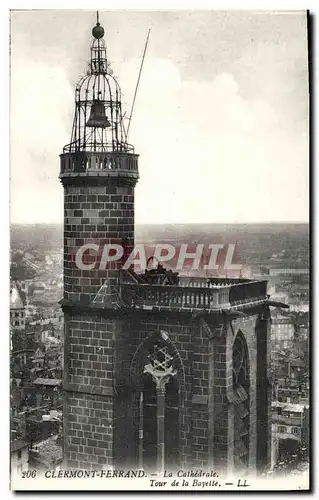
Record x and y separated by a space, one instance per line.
91 168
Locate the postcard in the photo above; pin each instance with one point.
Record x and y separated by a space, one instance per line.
159 260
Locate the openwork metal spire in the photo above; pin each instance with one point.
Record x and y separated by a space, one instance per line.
98 124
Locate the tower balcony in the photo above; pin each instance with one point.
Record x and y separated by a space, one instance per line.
99 164
202 295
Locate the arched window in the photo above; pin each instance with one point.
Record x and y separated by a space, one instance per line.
148 422
158 369
172 423
241 387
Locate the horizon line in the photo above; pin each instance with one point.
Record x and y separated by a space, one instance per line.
167 223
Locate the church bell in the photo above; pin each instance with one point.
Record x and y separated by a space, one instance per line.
98 119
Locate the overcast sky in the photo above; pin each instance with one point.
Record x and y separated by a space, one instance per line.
220 122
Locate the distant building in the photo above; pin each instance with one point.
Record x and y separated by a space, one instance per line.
46 296
24 287
304 307
295 368
38 359
58 318
48 260
30 310
289 429
288 272
282 331
303 332
47 453
280 297
17 308
21 340
295 393
19 456
49 391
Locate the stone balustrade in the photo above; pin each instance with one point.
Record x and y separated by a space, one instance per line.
142 295
100 163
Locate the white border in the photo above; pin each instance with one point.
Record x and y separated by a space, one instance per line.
4 184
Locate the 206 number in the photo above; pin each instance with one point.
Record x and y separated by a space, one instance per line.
28 473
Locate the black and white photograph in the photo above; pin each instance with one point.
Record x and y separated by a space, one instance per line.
159 250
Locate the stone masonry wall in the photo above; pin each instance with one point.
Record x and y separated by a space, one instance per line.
88 383
99 215
89 347
263 390
88 430
221 408
99 355
248 327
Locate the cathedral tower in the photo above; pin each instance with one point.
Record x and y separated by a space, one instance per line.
99 170
159 372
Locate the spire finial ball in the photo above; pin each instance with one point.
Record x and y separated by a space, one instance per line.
98 31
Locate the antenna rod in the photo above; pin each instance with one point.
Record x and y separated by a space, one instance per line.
138 81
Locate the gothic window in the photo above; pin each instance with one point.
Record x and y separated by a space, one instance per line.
149 422
171 423
171 430
241 403
159 413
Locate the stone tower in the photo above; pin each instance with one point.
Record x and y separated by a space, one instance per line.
17 308
18 338
99 170
159 372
